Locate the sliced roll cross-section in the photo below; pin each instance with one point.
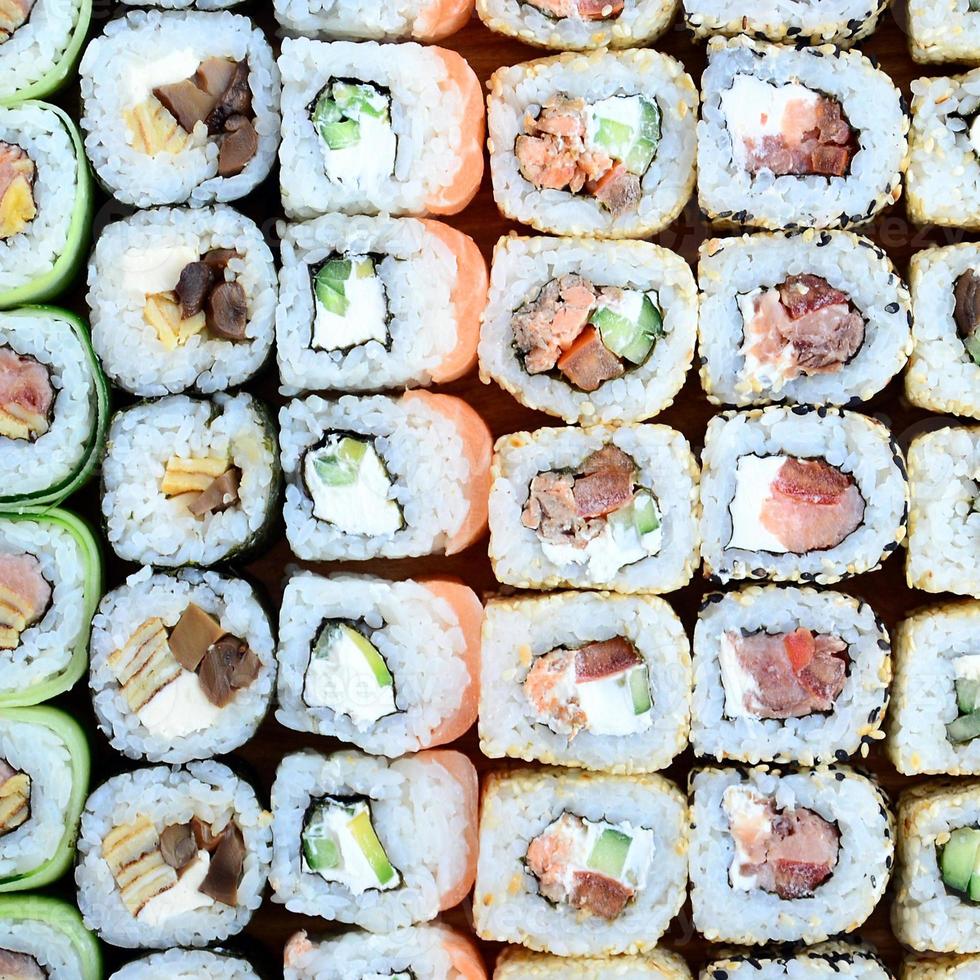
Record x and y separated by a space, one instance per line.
44 937
187 963
516 963
420 20
819 962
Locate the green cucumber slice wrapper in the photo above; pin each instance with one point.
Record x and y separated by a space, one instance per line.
63 917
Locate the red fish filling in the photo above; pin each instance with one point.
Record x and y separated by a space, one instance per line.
26 396
580 9
13 15
24 597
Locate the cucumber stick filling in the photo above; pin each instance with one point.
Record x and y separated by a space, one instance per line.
966 726
627 128
351 303
959 863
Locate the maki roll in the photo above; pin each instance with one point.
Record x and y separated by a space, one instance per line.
944 371
515 963
40 43
376 843
391 667
788 675
928 967
813 316
351 315
934 719
589 330
820 962
185 4
935 903
798 855
44 770
593 144
374 128
759 162
585 679
579 24
45 937
45 203
383 477
607 507
172 856
944 513
54 406
799 495
180 107
429 952
580 864
182 299
50 583
189 481
423 20
183 665
187 964
943 30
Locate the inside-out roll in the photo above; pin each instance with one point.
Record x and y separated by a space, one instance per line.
187 964
932 967
942 30
515 963
820 962
423 20
45 936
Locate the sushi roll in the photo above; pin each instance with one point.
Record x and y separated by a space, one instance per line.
45 937
428 952
421 20
183 665
944 371
391 667
820 962
757 162
50 580
576 25
40 43
184 4
383 477
934 719
187 964
580 864
352 315
172 856
606 507
812 316
786 856
797 494
182 299
515 963
934 905
943 30
375 843
190 481
54 406
944 513
585 679
374 128
44 771
626 167
589 330
950 967
45 203
788 675
180 107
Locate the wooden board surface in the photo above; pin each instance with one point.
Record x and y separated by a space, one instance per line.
884 589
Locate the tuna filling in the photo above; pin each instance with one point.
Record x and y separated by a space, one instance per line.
17 205
966 312
350 303
26 396
589 334
579 9
597 867
13 15
966 686
20 966
788 852
15 799
25 595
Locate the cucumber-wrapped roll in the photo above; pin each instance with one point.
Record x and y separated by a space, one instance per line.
44 772
422 20
820 962
515 963
187 964
45 937
51 579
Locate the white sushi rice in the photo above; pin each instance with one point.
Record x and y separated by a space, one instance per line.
38 46
666 467
941 375
523 266
421 818
667 184
929 966
416 633
821 962
819 737
731 267
944 514
870 102
724 913
857 445
207 790
517 631
187 964
426 117
354 19
130 348
42 132
422 328
122 53
518 806
184 4
145 526
423 453
52 947
515 963
144 595
943 30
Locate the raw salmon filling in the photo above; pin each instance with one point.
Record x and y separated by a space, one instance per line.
25 595
579 9
26 396
20 966
13 15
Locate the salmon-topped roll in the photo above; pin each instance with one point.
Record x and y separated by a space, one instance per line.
379 844
800 494
378 129
516 963
821 962
598 144
377 20
797 137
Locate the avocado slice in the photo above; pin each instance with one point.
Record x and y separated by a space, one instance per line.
639 682
967 690
609 853
965 728
338 466
958 858
362 830
370 653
